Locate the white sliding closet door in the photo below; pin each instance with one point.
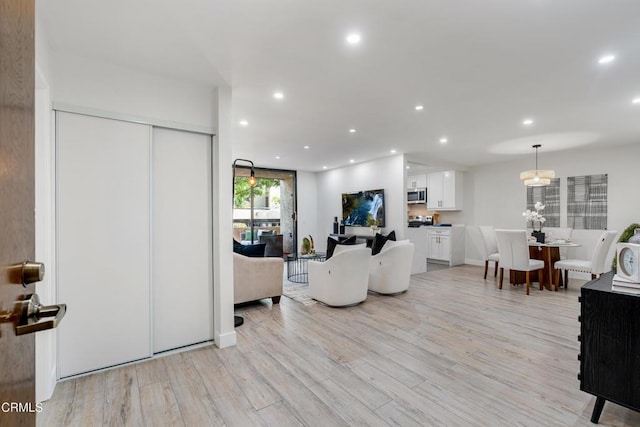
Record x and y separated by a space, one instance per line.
103 172
182 239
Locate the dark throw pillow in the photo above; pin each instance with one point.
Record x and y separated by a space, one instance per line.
379 240
256 250
331 244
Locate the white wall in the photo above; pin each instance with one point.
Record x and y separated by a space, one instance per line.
307 191
387 173
108 87
221 162
495 195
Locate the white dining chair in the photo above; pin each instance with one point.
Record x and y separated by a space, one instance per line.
490 248
514 254
598 264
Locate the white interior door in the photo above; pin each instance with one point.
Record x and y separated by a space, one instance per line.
103 172
182 239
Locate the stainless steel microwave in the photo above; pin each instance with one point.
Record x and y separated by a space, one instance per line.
417 195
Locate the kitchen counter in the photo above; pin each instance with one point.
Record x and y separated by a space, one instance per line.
439 244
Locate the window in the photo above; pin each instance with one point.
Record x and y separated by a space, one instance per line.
274 206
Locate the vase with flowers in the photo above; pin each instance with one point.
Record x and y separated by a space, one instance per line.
536 218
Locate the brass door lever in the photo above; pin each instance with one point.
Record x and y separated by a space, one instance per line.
30 316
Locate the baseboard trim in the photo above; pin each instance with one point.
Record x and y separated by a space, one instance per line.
226 340
474 262
141 360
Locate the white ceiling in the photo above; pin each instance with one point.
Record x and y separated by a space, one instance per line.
478 67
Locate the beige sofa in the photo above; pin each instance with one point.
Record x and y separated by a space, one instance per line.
257 278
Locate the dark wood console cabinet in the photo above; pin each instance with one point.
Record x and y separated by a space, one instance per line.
609 345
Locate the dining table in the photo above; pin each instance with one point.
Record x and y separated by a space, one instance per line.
549 252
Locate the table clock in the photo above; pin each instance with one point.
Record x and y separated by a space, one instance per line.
628 262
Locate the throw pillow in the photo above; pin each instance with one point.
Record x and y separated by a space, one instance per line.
331 244
379 240
256 250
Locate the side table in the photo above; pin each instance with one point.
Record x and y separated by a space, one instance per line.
297 266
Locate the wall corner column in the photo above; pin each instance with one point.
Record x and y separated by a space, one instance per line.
223 326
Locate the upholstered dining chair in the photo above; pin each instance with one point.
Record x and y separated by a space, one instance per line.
598 264
490 248
343 279
514 254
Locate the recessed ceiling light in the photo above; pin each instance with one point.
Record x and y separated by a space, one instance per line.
443 140
352 161
243 123
527 122
606 59
352 131
635 100
278 95
353 38
393 151
408 167
277 157
306 147
324 167
419 107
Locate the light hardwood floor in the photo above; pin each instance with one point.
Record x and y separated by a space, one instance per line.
451 351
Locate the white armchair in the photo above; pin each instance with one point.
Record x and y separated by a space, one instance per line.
342 279
390 270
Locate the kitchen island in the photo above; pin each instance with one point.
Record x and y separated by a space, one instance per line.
443 245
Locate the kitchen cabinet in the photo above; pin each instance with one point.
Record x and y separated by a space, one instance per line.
444 190
417 181
438 245
446 244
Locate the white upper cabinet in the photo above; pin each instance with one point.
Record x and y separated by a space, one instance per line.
444 191
417 181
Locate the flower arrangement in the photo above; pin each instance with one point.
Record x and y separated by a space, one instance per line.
535 216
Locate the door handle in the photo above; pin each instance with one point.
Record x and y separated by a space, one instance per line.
30 316
34 317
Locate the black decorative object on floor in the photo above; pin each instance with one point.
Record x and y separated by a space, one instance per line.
237 321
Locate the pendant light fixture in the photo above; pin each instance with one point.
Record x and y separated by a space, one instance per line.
537 177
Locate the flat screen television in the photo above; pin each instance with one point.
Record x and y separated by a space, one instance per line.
363 209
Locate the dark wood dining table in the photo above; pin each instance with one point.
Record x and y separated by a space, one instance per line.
549 253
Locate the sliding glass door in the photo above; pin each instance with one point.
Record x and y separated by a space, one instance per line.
274 207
